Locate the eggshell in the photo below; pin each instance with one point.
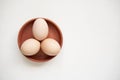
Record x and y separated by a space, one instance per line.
50 47
40 29
30 47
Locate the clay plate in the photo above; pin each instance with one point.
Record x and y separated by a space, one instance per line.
26 33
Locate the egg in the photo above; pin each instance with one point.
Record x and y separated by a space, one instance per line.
30 47
40 29
50 47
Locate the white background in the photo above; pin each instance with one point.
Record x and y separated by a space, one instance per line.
91 32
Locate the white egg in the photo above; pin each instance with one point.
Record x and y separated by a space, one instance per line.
30 47
50 47
40 29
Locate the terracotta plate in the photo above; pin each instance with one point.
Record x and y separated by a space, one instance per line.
26 33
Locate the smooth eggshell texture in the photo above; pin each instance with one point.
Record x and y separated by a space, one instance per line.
30 47
50 47
40 29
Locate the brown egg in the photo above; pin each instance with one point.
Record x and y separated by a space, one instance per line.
40 29
50 47
30 47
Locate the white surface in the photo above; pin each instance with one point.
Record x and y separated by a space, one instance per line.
91 31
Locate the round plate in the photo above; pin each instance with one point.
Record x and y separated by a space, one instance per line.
26 33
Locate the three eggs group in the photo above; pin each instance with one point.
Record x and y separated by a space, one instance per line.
40 41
